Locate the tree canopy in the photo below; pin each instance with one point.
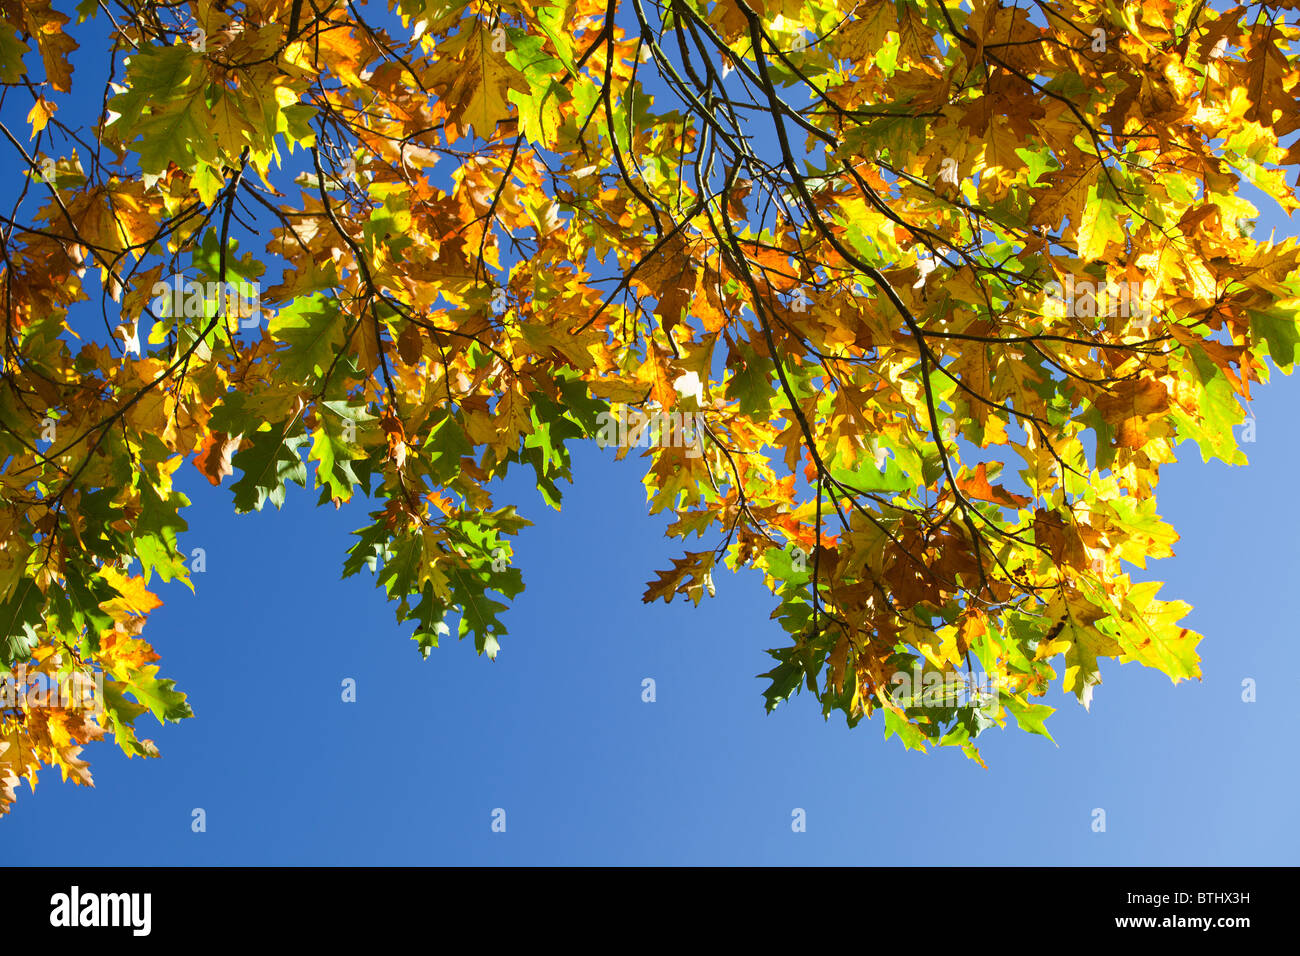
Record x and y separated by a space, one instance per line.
903 304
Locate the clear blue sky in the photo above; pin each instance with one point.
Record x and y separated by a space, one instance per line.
555 732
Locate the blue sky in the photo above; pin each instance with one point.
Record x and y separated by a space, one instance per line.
556 734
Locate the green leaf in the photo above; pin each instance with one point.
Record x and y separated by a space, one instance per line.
334 446
121 716
20 615
1029 716
160 696
156 530
268 461
539 106
313 328
751 384
1276 326
866 477
12 51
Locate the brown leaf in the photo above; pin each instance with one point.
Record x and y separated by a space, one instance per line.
410 344
691 575
213 459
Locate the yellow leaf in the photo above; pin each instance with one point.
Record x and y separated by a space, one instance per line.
133 597
40 114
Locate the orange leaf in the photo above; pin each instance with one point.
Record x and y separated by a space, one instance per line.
977 486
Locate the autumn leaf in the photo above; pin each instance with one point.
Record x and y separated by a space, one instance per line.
977 486
691 575
40 114
213 459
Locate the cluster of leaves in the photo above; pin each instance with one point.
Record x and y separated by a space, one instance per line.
827 227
